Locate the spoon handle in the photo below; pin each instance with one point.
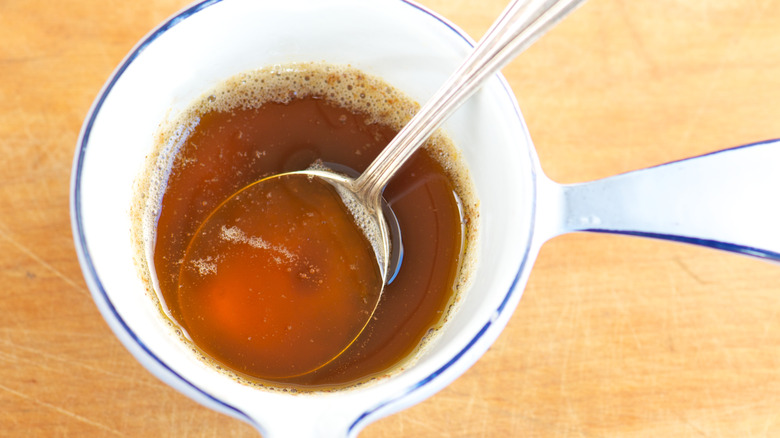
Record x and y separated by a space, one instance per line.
519 26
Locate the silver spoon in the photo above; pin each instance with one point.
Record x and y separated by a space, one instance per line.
521 24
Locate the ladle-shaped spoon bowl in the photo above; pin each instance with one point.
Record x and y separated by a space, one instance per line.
279 277
360 200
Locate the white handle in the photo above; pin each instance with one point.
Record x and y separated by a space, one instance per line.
728 200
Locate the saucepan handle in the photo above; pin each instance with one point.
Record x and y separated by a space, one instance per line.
728 200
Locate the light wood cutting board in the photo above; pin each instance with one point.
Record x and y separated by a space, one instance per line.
615 336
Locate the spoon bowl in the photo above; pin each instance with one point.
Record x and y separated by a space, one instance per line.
277 281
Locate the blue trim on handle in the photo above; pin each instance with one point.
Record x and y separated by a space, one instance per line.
721 151
715 244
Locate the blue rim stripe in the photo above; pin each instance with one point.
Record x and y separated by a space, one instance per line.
76 193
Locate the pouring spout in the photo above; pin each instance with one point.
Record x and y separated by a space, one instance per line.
728 200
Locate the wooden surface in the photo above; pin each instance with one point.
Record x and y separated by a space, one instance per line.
615 336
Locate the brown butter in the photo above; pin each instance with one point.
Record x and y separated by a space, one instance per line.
201 160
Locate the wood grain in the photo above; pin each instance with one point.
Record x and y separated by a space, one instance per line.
615 336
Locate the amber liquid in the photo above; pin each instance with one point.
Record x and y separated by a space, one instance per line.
279 279
229 150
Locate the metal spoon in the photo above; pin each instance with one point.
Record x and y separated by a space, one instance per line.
519 26
521 23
